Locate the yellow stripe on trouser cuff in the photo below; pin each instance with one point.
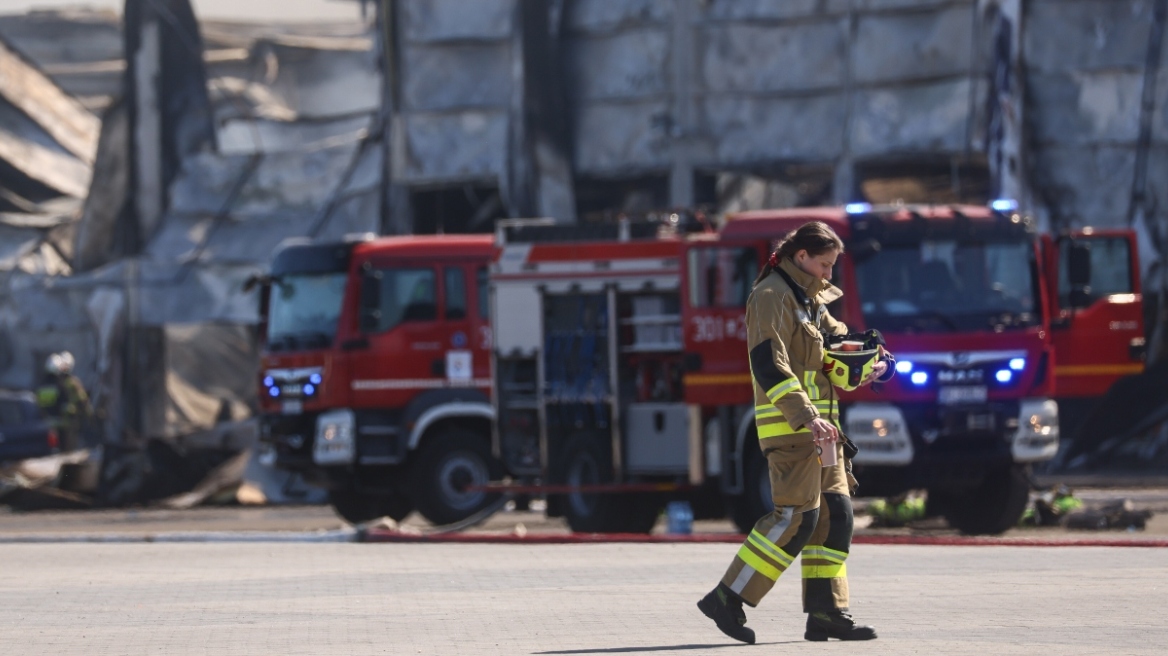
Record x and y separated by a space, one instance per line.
770 548
816 570
758 564
824 571
782 389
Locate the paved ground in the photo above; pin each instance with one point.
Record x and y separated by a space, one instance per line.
467 600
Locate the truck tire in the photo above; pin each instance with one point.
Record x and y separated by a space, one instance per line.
447 464
359 507
755 501
992 507
586 461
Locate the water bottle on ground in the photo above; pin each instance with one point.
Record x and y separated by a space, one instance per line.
679 518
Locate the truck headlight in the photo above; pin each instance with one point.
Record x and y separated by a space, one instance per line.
881 433
334 443
1037 437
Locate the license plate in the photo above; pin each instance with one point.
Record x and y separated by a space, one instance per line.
293 407
966 394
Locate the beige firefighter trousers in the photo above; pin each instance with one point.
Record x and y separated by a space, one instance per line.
812 518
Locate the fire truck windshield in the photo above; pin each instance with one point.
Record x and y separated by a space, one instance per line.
304 310
948 286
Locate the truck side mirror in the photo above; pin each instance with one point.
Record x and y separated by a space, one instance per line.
1079 273
369 310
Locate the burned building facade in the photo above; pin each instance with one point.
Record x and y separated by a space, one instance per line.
444 115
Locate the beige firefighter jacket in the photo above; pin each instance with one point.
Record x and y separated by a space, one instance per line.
786 356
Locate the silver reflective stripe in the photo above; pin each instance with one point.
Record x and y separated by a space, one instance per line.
777 531
743 578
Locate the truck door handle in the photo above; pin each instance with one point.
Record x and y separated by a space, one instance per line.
438 367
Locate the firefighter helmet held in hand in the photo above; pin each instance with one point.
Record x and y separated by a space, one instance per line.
847 369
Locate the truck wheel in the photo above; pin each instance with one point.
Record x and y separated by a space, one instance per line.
587 462
755 501
992 507
360 507
447 465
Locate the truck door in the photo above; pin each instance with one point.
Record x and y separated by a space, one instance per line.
466 347
406 341
717 278
1098 328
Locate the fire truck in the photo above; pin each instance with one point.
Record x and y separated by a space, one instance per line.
621 379
605 364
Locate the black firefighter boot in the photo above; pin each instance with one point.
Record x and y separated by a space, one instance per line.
725 608
835 624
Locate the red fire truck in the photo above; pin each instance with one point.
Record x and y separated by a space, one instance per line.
375 377
615 374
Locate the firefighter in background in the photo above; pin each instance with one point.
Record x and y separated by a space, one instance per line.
64 401
796 414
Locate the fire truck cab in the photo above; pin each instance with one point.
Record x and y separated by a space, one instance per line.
987 318
375 380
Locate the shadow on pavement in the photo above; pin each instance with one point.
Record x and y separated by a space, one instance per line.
630 650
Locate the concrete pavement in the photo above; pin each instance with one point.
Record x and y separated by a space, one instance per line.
98 599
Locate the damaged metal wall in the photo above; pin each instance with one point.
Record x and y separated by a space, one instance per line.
161 329
673 87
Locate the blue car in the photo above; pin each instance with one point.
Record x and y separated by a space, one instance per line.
24 431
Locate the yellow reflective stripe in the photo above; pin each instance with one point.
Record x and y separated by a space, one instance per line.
782 389
809 383
823 553
825 571
761 566
766 414
770 548
778 429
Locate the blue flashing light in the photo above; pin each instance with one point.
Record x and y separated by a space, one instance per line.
1004 375
857 208
268 382
920 378
274 391
1004 205
904 366
309 390
1018 364
314 379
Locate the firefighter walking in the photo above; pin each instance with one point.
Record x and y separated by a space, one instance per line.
797 416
